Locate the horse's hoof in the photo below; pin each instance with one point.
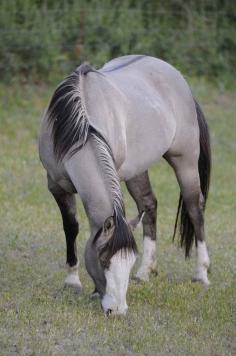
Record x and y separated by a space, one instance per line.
201 276
141 278
154 272
205 282
76 288
72 282
94 295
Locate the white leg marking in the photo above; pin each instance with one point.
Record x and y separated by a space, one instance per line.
203 263
148 260
72 279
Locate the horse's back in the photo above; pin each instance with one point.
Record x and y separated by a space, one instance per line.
160 110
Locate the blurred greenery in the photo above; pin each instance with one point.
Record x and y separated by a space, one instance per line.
44 39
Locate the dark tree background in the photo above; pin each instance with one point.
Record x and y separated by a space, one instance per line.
42 39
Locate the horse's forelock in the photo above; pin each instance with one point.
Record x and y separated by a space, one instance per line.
121 240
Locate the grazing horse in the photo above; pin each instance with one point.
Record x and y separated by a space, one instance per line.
104 126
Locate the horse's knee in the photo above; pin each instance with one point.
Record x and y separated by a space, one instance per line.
71 227
150 206
150 216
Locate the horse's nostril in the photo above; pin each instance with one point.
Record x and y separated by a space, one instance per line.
108 312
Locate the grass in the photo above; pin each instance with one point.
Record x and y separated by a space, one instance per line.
167 316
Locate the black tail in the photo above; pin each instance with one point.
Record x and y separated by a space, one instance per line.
204 168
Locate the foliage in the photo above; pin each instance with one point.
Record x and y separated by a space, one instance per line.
41 38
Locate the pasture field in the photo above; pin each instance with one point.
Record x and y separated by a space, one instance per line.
167 316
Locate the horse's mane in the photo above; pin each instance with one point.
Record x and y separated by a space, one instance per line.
122 65
68 116
71 128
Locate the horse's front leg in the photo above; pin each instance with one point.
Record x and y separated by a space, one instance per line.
67 205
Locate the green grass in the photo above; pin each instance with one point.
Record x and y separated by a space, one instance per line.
167 316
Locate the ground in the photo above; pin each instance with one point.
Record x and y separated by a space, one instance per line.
167 316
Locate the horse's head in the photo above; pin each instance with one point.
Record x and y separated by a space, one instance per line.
110 267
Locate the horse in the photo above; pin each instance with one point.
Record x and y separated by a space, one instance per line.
111 125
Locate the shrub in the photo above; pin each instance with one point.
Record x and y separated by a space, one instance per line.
45 38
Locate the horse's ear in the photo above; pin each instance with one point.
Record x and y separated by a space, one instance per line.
109 225
106 232
136 222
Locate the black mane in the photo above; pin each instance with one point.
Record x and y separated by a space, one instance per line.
65 113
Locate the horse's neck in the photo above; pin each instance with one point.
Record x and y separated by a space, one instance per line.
106 109
86 174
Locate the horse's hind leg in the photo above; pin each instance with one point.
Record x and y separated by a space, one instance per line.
186 170
67 205
140 189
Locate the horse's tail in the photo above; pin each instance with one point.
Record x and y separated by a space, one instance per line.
71 129
204 168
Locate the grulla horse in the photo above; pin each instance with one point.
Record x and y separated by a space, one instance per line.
110 125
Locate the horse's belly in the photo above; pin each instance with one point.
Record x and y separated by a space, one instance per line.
131 169
149 139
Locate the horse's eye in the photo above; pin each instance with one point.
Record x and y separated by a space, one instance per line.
108 226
